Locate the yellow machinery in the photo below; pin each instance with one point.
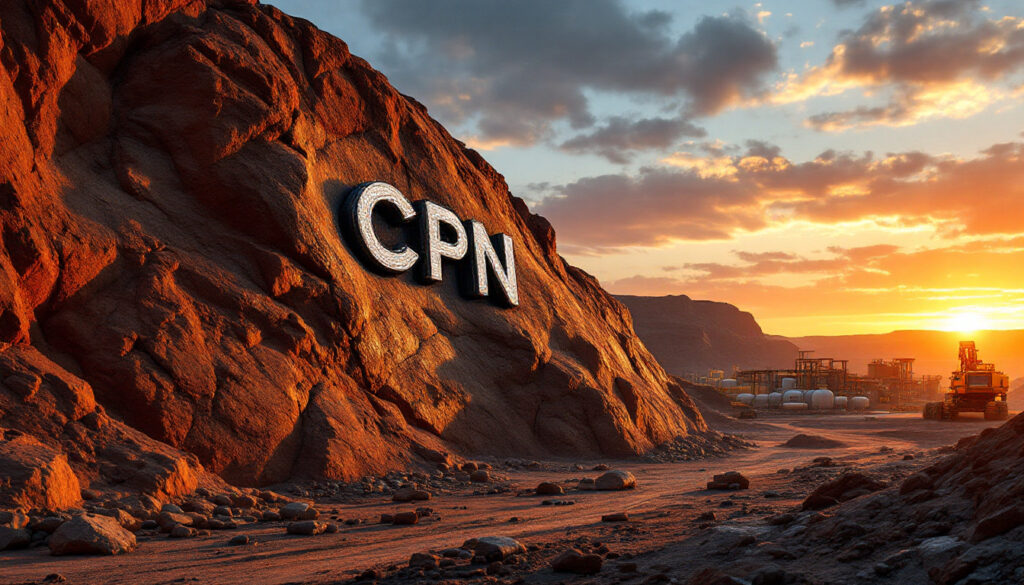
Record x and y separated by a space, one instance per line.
975 387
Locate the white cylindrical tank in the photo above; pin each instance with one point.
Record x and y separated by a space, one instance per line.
745 398
840 402
760 401
792 396
728 383
858 403
794 406
807 397
775 400
788 383
822 398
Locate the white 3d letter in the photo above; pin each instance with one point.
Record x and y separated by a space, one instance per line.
432 245
485 264
358 214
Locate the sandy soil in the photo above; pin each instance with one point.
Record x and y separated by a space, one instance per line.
663 509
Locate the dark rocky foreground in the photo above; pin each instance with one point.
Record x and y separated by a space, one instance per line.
957 520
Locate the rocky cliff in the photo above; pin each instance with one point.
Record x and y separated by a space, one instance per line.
175 297
689 336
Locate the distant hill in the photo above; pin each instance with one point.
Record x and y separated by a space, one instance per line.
689 336
935 352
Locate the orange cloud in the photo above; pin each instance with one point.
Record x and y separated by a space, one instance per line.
719 196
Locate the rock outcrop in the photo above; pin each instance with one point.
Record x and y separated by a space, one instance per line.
691 337
959 520
175 296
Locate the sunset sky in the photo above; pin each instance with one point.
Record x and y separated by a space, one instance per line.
832 167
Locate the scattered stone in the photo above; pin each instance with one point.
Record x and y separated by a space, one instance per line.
480 476
617 517
181 531
494 548
548 488
239 540
615 480
299 511
405 518
168 520
410 494
600 467
731 480
587 484
846 487
423 561
91 535
574 561
307 527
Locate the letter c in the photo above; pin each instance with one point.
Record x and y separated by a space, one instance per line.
358 217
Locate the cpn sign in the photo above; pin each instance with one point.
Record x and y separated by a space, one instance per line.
488 267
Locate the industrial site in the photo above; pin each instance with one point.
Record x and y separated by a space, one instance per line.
824 385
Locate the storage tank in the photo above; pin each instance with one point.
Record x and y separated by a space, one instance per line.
792 396
760 401
788 383
840 402
822 398
794 406
728 383
858 403
745 398
775 400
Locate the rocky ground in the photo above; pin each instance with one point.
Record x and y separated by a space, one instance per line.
892 502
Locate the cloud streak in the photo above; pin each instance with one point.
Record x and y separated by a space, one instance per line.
513 70
714 195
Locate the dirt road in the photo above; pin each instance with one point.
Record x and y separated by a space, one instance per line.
671 492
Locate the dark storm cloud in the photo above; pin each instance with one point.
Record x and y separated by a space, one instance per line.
619 137
518 67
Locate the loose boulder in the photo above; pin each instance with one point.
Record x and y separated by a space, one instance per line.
35 475
574 561
495 548
731 480
615 480
547 488
91 535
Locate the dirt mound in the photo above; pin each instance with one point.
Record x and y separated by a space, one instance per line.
171 258
805 441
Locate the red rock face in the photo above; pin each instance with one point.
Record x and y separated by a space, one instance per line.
171 174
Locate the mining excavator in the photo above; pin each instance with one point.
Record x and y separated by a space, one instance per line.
975 387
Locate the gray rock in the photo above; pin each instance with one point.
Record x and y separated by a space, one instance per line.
91 535
495 548
14 537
